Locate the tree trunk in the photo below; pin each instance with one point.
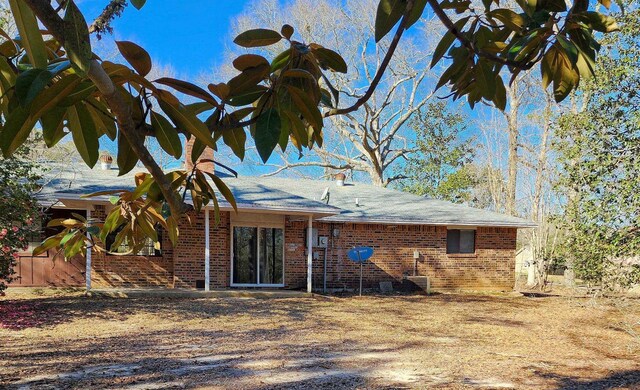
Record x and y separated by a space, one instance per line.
531 273
542 162
538 239
377 177
512 162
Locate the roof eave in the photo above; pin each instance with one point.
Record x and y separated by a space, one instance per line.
339 218
75 200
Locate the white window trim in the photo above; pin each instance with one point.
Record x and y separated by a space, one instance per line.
257 225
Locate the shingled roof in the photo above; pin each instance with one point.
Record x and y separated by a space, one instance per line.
353 202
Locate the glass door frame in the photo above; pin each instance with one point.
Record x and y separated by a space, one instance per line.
258 226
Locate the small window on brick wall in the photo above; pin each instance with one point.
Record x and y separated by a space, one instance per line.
150 248
461 241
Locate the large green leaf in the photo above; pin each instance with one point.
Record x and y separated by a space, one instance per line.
569 48
309 110
84 134
30 83
416 12
249 61
297 129
187 121
597 21
54 95
235 139
196 150
147 227
176 178
20 121
285 130
16 130
138 3
172 229
267 133
247 80
552 5
510 19
104 121
557 67
500 98
248 96
7 74
49 243
258 37
127 159
388 14
187 88
136 56
30 35
76 39
52 123
224 190
199 107
112 222
166 135
446 42
330 59
281 60
486 79
143 186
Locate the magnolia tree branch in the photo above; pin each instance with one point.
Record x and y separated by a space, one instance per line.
448 23
102 24
119 107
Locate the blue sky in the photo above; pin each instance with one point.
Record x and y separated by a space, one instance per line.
190 35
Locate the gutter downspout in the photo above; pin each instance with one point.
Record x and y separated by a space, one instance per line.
87 273
324 271
309 254
206 250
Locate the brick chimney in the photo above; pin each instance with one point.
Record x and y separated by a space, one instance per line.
207 155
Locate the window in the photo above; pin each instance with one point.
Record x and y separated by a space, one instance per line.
150 247
461 241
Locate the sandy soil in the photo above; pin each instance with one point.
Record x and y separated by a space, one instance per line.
439 341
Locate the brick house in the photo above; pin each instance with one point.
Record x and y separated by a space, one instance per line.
265 243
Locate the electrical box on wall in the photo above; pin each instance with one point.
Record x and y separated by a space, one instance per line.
316 241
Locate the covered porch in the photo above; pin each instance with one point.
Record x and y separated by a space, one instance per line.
251 250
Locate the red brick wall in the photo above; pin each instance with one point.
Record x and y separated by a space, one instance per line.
188 259
178 267
131 271
491 267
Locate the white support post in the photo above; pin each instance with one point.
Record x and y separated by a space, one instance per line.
87 273
309 252
206 250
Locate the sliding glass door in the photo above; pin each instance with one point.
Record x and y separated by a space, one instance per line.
245 255
258 256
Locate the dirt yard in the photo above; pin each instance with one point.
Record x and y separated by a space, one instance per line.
439 341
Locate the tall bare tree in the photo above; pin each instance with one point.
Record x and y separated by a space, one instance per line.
373 139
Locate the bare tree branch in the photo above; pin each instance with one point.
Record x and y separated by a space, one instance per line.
381 68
